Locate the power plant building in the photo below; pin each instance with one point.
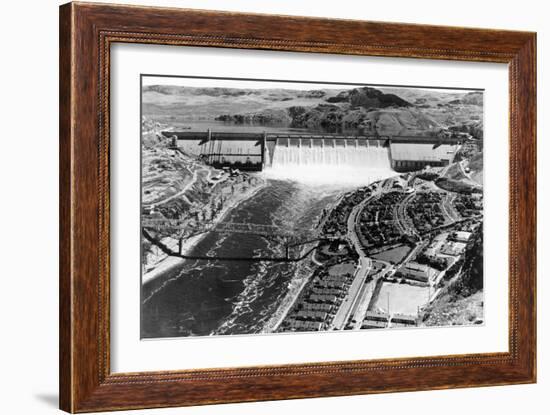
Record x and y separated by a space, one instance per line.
254 151
416 156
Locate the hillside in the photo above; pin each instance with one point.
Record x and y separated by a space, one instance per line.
368 98
462 301
192 103
177 186
396 111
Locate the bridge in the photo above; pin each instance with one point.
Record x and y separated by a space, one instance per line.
191 229
291 238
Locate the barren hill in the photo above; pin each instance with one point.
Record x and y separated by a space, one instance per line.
404 111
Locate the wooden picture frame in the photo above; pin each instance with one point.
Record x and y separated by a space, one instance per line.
86 33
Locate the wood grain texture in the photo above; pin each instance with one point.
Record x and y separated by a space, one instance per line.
86 33
65 248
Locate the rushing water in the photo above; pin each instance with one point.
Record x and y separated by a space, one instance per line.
204 297
330 161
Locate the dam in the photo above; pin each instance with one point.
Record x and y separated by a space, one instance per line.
264 151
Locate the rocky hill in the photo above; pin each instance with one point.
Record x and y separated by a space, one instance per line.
473 98
462 301
194 103
396 111
368 98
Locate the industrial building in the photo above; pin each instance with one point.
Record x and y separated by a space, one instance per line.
461 236
376 315
415 156
403 319
418 272
254 151
372 324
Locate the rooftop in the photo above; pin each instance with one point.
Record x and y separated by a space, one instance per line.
415 270
461 236
453 248
423 152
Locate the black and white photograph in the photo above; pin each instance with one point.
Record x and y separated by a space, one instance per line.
275 207
272 206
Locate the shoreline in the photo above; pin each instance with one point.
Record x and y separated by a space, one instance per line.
286 304
294 290
170 262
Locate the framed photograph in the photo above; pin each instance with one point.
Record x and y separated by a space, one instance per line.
258 207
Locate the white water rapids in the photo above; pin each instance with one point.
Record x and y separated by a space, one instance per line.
341 162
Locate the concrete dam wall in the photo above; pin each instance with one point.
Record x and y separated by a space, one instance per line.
259 152
241 154
328 152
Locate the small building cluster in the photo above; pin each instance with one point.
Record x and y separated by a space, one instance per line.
444 250
403 320
336 224
469 205
377 225
375 320
380 320
418 272
426 211
318 302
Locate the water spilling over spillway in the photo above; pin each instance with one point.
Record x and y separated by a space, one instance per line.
211 296
328 161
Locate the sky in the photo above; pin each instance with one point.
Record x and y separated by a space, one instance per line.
261 84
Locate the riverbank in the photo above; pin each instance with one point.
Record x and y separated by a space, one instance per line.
295 288
305 272
170 262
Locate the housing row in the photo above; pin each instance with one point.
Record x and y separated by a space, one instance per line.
435 260
380 320
318 302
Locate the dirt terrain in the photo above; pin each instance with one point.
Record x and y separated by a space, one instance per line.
394 111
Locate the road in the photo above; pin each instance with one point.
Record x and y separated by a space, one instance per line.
403 220
363 298
351 225
182 192
448 209
443 172
352 296
361 272
355 304
468 177
361 306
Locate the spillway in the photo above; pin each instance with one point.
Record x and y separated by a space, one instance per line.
328 160
317 158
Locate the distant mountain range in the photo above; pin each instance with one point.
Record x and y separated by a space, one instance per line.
389 110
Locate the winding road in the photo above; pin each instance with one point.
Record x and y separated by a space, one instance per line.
182 192
353 295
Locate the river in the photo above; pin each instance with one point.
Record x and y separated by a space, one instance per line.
205 297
